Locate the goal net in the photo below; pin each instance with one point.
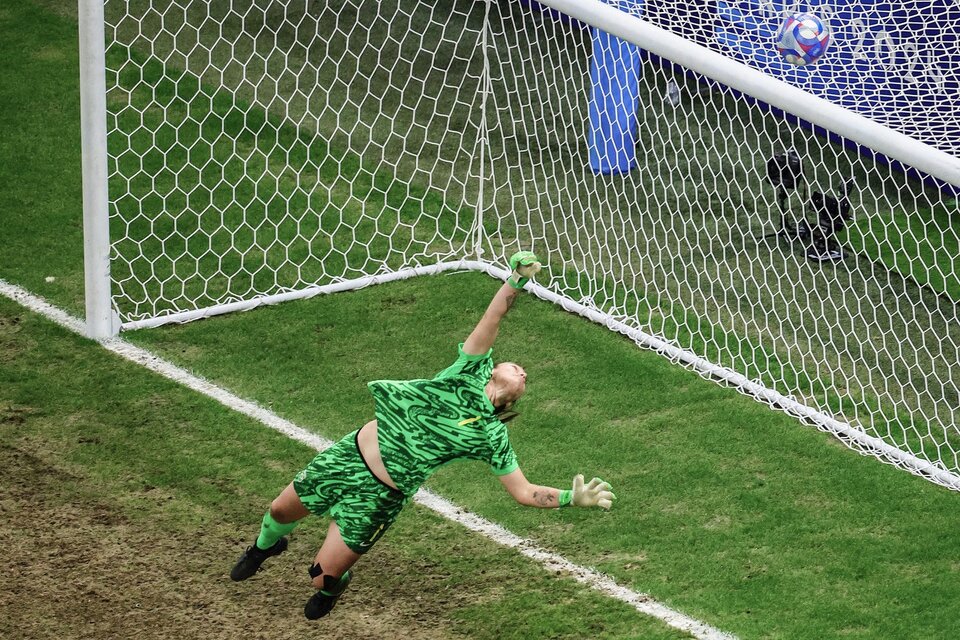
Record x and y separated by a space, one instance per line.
264 149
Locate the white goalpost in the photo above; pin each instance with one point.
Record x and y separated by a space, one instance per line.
788 232
93 132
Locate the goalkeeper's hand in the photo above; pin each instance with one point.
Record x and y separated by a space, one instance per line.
595 494
524 265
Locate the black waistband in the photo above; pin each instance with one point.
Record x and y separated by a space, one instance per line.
356 441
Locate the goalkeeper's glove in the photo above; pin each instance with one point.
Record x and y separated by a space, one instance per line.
524 265
595 494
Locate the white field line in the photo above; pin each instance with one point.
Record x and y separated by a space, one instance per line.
549 560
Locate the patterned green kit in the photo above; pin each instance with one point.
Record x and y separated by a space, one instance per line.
422 425
339 482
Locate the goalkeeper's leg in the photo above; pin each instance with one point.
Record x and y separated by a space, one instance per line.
330 573
358 523
285 511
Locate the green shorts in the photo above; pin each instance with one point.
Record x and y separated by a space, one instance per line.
338 482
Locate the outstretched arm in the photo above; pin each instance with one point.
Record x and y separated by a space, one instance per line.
525 265
483 335
595 494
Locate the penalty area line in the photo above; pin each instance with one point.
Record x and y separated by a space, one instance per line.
443 507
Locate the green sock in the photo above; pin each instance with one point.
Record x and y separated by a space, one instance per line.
340 586
271 531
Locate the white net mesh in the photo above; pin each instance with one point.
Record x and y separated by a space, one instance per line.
676 246
260 146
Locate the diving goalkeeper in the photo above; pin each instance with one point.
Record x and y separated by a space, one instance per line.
365 479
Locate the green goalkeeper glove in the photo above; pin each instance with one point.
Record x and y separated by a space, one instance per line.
524 265
595 494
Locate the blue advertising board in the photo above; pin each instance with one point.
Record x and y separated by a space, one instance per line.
614 95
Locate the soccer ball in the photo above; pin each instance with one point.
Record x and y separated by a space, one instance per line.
802 39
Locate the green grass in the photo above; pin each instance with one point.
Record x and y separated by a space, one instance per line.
118 454
727 511
923 246
40 154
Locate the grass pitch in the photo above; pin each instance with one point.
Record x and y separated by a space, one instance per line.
126 499
727 511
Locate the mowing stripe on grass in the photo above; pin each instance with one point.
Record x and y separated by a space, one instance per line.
549 560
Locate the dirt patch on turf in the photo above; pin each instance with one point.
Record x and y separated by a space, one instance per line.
78 566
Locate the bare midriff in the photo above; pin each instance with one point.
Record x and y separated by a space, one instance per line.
370 450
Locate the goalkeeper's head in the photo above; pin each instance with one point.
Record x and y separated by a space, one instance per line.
507 383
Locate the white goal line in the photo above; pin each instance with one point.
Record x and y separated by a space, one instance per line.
547 559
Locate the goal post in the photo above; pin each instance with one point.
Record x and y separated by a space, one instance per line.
761 233
93 133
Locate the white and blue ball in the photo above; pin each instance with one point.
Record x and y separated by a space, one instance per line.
803 39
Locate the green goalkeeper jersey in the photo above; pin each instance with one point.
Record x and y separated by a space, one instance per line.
424 424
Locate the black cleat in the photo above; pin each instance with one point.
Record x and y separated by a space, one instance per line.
322 601
249 563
